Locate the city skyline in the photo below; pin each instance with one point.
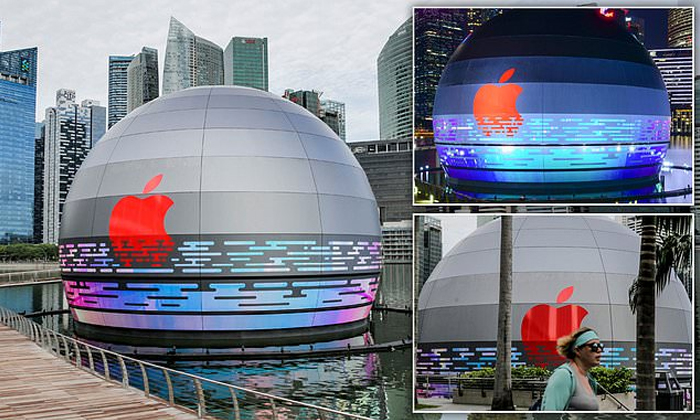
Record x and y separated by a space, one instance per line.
338 59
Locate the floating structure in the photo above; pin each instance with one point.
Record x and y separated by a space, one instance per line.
218 213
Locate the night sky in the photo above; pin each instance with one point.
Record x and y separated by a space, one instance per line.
655 27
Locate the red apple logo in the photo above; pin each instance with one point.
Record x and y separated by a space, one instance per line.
137 228
494 107
543 324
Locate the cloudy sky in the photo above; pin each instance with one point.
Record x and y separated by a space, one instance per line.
327 46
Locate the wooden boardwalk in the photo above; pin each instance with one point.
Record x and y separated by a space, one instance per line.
35 384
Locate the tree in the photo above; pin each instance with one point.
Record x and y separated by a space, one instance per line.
654 275
502 388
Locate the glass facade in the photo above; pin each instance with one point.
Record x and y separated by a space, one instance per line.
245 63
17 109
333 114
394 80
116 100
71 131
142 78
680 28
190 60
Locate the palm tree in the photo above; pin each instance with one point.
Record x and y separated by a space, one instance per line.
654 275
502 388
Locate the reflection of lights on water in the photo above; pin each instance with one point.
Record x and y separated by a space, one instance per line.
507 149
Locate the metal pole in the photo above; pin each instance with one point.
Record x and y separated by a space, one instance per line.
201 404
236 409
106 365
125 374
144 373
171 397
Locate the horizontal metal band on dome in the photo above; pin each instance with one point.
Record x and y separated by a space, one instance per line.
551 45
562 98
519 143
552 69
222 313
582 169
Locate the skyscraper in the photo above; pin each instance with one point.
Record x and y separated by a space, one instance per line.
427 243
680 27
18 70
71 131
397 258
38 216
116 96
676 67
142 78
388 165
333 114
245 63
309 99
395 84
190 60
438 33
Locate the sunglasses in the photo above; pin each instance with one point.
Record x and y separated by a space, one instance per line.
596 347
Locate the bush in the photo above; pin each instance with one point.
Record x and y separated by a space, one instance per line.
520 372
28 252
614 380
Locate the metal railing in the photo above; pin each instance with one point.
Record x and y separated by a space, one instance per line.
202 396
28 276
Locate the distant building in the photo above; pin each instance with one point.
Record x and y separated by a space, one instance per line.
676 67
117 93
680 27
329 111
71 131
38 215
388 165
427 243
395 84
142 78
334 116
397 257
309 99
635 26
438 33
18 70
245 63
190 60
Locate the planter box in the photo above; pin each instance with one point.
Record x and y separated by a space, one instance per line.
608 404
521 398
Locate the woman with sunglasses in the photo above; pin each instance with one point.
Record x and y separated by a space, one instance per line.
571 387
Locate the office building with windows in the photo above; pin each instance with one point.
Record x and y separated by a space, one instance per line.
190 60
680 27
395 84
71 131
117 94
18 77
245 63
142 78
676 67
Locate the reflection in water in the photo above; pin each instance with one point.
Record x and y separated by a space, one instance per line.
375 385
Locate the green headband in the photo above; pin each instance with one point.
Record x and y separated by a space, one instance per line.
585 338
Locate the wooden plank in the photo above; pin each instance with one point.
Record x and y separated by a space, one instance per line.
35 384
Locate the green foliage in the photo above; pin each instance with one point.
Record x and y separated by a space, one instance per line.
614 380
28 252
520 372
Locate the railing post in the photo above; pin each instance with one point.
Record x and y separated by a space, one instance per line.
321 415
66 349
236 409
105 363
125 374
90 361
201 404
144 373
78 359
168 382
55 340
274 409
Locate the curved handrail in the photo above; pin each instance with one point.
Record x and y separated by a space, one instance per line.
70 349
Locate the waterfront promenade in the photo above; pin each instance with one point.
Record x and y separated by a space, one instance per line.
35 384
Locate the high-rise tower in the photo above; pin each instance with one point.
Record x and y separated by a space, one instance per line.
245 63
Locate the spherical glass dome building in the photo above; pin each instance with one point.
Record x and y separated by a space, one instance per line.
568 271
546 101
220 212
